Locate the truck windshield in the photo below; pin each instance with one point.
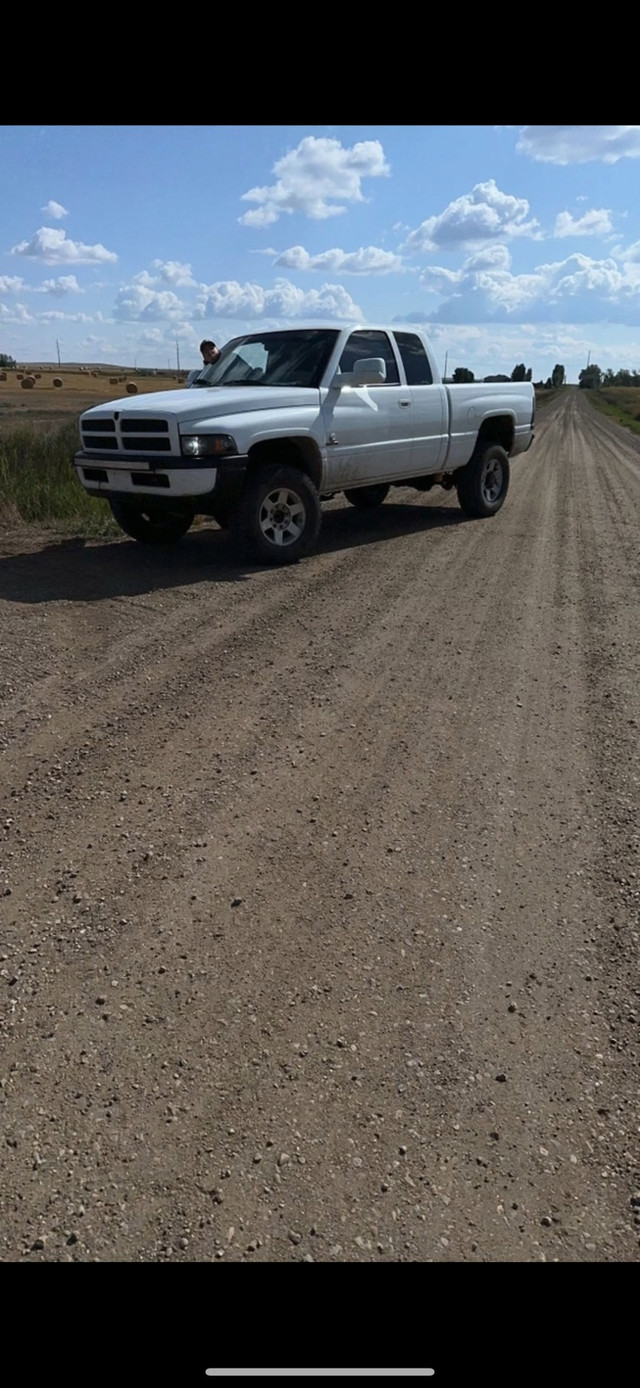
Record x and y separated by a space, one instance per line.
297 358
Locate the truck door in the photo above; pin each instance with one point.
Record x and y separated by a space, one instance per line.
369 429
430 407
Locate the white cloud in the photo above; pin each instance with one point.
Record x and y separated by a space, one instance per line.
317 180
229 299
55 210
52 246
169 272
597 222
480 216
489 258
578 289
630 254
17 313
138 302
368 260
579 144
57 316
173 272
64 284
11 284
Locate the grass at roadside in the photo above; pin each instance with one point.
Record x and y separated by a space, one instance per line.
621 403
544 397
38 483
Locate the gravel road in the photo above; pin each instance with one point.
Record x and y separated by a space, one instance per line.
319 886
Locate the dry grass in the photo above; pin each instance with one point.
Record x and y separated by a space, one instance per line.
46 405
621 403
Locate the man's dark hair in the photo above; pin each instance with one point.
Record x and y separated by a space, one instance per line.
206 342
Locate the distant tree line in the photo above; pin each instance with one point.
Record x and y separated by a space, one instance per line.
7 362
592 378
463 376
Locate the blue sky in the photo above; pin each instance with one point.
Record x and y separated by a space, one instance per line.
127 244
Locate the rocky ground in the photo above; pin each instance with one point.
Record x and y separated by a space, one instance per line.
319 886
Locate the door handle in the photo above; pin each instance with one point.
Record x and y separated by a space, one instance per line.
404 404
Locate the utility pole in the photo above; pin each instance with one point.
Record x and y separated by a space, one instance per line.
58 347
446 358
588 358
178 353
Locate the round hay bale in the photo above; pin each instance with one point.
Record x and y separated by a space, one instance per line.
28 382
57 380
19 375
132 388
3 375
113 380
38 375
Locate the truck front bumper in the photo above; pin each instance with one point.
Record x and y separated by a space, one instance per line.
102 474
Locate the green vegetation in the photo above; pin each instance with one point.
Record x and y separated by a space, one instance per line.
37 480
621 403
544 395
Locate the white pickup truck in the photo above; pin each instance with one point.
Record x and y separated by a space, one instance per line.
285 419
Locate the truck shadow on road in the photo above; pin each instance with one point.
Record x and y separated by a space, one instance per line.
89 571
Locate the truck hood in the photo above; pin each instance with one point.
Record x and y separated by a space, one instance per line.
205 402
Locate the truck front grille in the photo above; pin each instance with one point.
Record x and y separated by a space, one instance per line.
108 433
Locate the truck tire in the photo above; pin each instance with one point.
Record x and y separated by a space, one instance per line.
366 498
150 523
483 484
278 517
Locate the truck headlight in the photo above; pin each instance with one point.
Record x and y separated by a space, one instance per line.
207 445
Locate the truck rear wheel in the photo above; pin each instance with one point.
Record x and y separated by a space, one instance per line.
484 482
150 523
366 498
279 515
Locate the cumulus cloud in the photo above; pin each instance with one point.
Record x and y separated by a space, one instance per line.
11 284
368 260
52 246
55 315
597 222
64 284
229 299
55 210
138 302
579 144
578 289
173 272
317 179
484 214
629 254
16 313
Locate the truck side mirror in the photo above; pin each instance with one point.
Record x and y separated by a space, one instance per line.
367 371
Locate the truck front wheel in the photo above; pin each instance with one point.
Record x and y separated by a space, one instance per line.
484 482
279 515
366 498
150 523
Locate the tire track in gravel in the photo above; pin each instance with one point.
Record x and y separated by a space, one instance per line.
405 806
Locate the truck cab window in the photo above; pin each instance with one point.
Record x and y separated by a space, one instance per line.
369 343
414 359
